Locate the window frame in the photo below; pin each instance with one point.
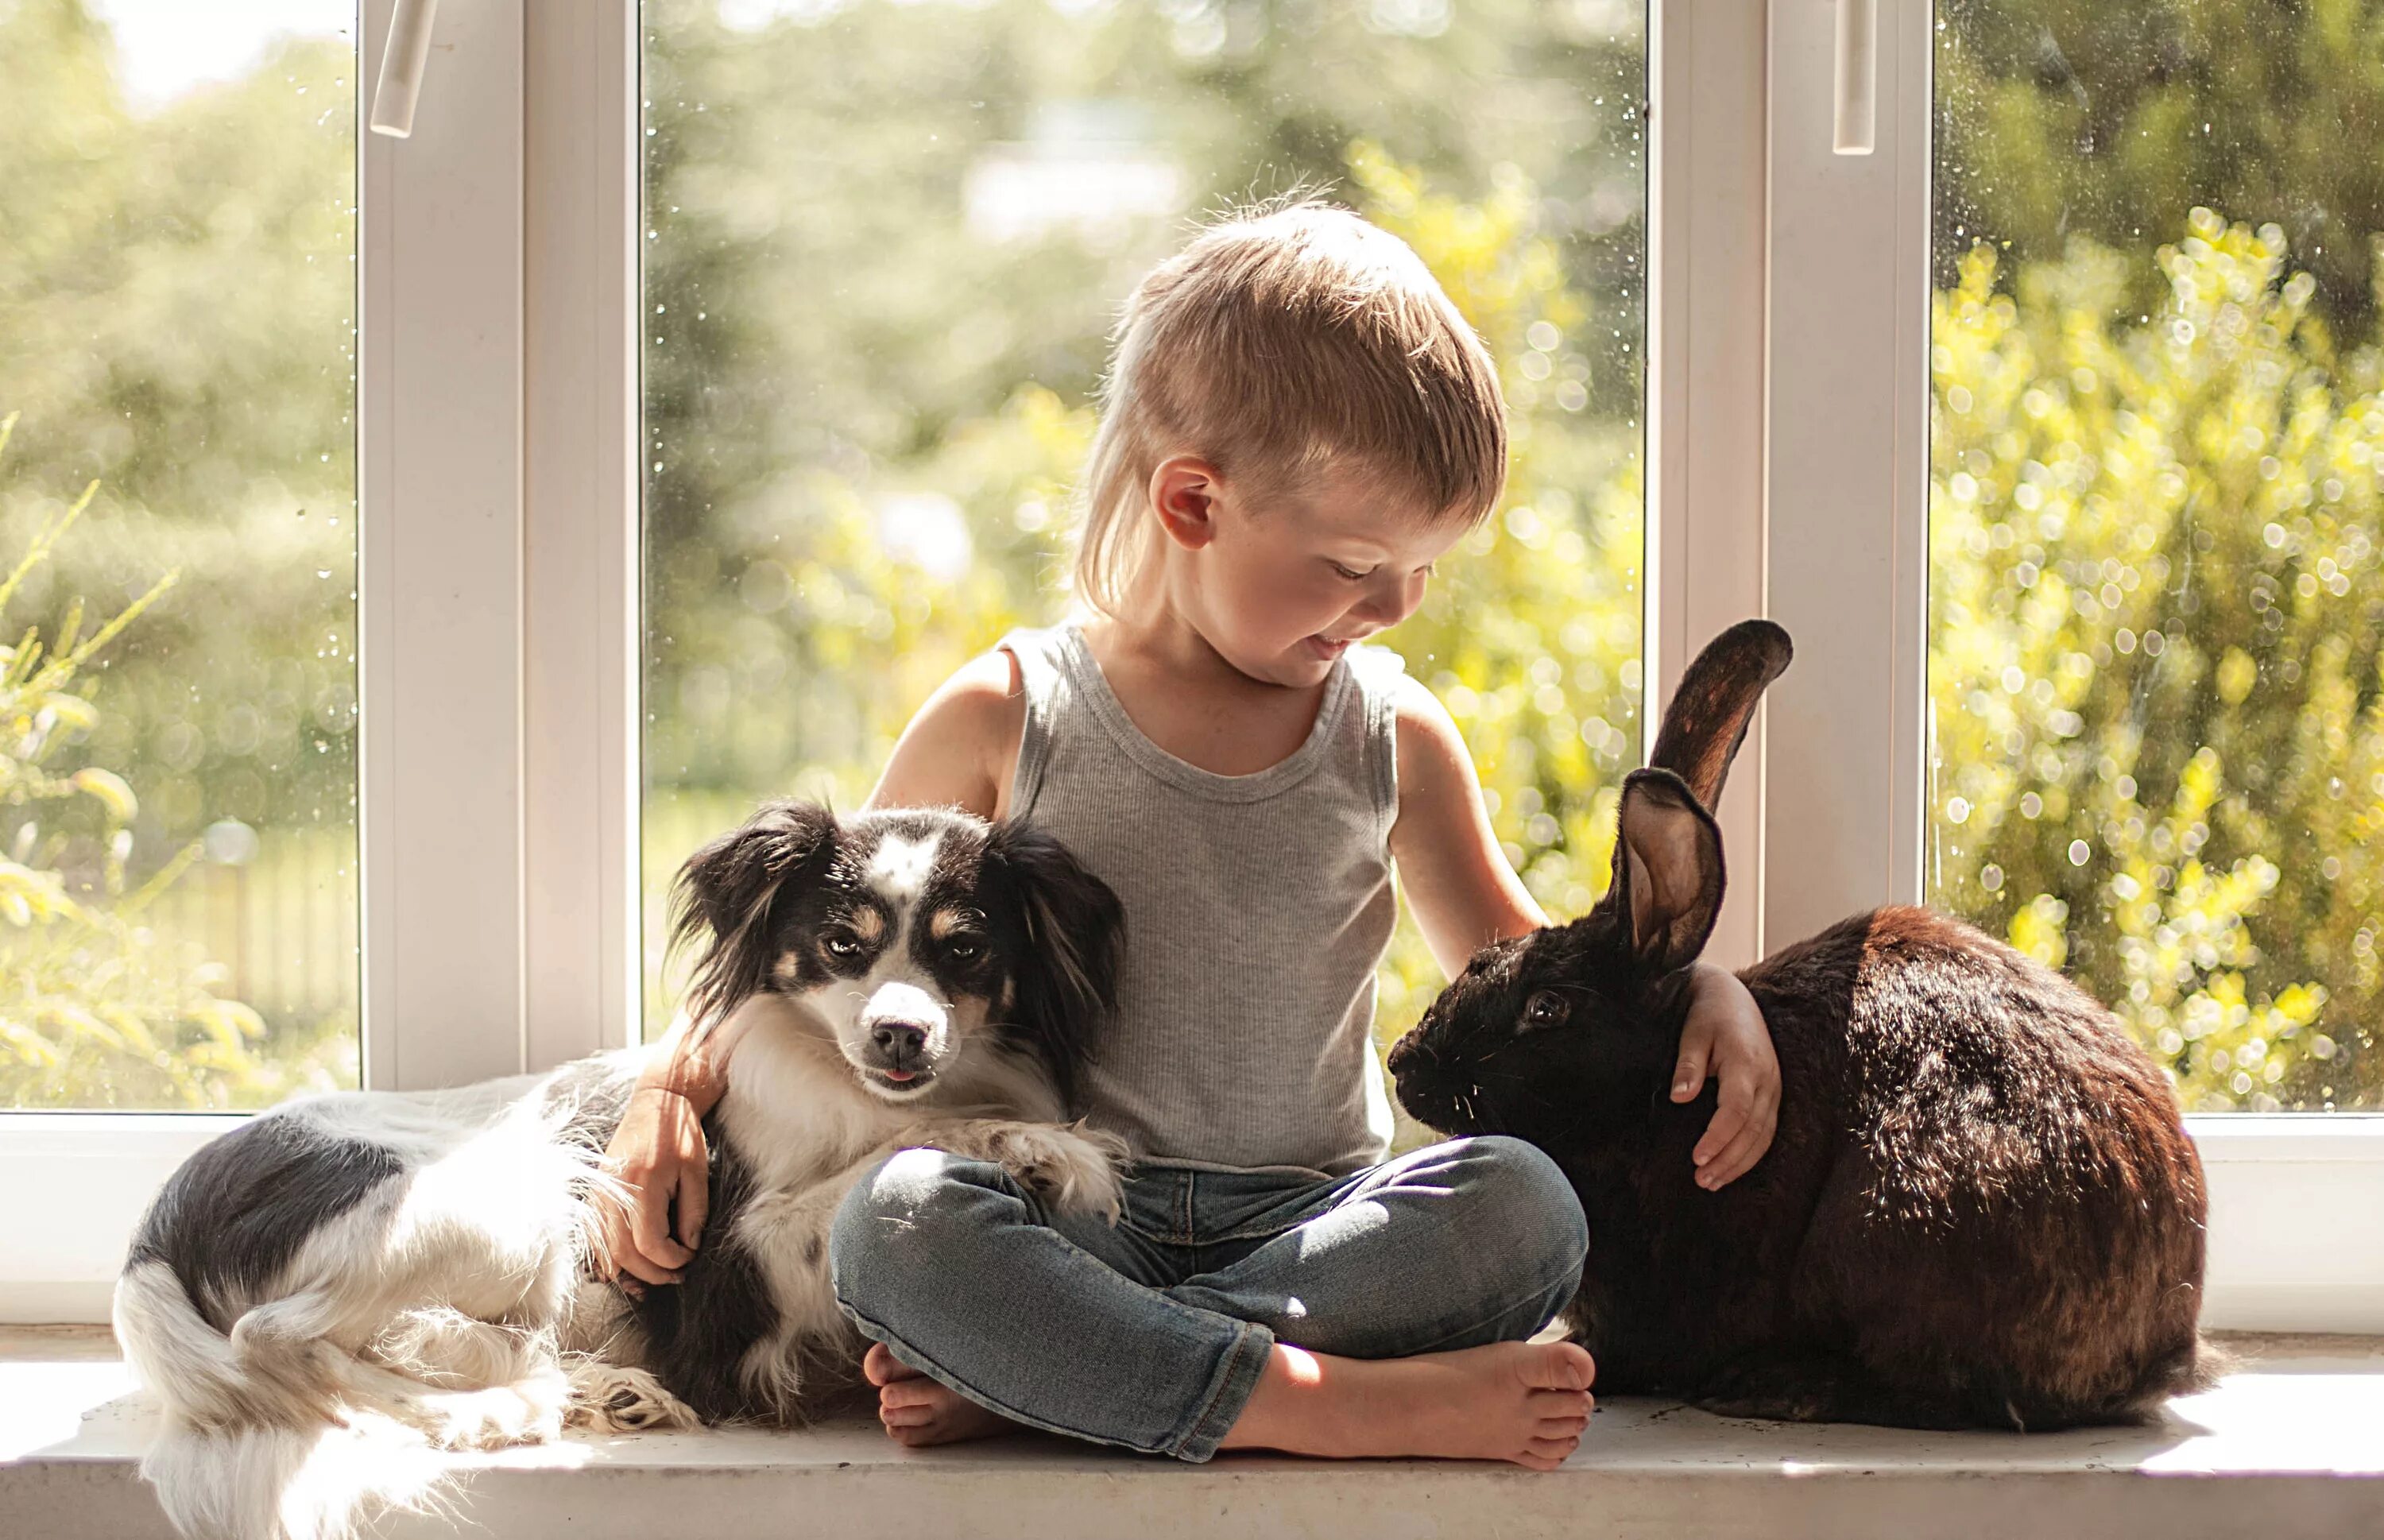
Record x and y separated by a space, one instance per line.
499 408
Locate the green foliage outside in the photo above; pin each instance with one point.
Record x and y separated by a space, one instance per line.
177 305
95 1004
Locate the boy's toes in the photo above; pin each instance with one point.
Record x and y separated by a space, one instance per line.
916 1391
880 1366
1555 1451
1560 1366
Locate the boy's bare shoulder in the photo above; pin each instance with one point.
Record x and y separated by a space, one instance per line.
1433 758
960 746
983 703
1421 720
989 682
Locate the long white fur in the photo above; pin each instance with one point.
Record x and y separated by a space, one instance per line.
446 1311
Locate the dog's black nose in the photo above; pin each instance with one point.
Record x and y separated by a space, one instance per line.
900 1041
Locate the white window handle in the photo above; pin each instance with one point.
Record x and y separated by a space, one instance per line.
401 59
1857 81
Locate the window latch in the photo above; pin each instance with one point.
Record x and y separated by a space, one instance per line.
1857 77
401 59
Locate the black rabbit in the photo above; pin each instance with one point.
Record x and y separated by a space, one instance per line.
1980 1208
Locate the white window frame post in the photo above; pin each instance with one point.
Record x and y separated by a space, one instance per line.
583 623
2296 1202
444 792
502 632
1705 526
1846 479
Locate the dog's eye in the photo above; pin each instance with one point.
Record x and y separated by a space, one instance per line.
1545 1010
965 948
841 943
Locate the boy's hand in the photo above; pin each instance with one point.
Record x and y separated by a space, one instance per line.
658 1154
1725 1038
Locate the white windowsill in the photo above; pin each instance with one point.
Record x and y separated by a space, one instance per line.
2289 1446
2296 1233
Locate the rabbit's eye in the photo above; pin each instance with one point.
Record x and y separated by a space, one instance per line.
1546 1009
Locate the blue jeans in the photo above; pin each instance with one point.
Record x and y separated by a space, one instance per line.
1151 1334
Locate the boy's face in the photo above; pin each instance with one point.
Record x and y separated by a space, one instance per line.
1280 589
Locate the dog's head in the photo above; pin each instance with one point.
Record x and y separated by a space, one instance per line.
907 935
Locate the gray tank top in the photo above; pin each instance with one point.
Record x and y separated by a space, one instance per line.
1257 908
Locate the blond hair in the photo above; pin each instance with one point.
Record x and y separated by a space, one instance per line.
1288 341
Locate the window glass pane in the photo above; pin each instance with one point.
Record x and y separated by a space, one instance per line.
885 244
178 855
2154 523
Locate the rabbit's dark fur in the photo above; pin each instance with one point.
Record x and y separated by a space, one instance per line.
1981 1208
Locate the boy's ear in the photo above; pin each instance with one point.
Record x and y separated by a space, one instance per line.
1183 494
1668 872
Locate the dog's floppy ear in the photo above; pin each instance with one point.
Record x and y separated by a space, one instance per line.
724 891
1667 873
1075 935
1708 716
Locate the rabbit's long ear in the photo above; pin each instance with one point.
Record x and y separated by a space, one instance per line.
1668 871
722 896
1716 700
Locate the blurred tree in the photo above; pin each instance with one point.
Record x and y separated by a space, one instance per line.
2116 118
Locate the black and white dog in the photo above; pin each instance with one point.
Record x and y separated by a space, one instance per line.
346 1284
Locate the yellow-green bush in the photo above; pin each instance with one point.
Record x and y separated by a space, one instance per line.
97 1010
2156 687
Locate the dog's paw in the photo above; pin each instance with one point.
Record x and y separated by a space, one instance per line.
1079 1169
493 1419
612 1398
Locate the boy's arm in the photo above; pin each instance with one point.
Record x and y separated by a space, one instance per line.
1454 876
660 1155
1465 896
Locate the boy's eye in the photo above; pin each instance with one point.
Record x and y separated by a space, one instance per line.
1350 573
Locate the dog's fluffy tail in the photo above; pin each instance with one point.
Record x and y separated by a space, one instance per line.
271 1432
315 1483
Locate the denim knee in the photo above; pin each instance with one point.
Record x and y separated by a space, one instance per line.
892 1218
1524 1209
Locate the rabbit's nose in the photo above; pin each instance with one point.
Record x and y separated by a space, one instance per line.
1404 1053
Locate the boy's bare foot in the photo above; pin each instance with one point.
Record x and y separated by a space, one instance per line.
1520 1401
918 1411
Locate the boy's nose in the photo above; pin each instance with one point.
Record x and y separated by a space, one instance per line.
1393 602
